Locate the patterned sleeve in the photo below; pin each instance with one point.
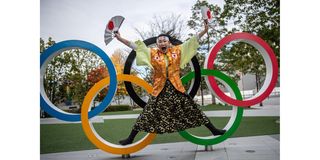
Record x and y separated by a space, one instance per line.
143 54
188 50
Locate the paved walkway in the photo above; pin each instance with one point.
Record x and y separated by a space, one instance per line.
242 148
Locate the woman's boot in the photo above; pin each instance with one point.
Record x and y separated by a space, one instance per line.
214 130
130 139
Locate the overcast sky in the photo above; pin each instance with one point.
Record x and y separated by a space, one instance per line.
86 19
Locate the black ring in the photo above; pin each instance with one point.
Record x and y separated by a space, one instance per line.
132 56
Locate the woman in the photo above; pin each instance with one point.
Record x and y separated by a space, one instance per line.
169 108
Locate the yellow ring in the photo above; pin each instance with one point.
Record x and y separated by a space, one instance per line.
89 130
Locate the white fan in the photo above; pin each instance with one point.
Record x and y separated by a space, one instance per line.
207 16
112 26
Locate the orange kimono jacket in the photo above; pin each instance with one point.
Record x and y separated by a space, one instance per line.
166 65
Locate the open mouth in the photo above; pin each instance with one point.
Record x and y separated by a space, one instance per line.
163 49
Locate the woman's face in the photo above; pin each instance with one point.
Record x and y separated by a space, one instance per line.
163 44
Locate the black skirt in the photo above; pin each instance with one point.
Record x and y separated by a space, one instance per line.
171 111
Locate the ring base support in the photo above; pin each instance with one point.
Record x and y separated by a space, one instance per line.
208 148
125 156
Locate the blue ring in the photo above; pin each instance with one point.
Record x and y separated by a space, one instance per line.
56 49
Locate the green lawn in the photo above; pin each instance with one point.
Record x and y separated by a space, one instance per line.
70 137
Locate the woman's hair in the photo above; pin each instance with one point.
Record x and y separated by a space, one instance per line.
171 39
164 35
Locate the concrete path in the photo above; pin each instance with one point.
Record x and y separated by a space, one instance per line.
242 148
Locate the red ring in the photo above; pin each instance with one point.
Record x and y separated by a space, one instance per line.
269 51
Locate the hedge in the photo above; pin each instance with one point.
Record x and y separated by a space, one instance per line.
112 108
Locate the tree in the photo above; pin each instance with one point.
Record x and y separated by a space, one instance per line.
261 18
44 46
94 76
214 34
65 76
172 25
118 58
49 81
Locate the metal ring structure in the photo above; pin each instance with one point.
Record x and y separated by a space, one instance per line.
268 57
55 50
195 84
89 130
236 113
195 76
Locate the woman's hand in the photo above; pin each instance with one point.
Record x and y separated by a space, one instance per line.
119 38
206 26
117 35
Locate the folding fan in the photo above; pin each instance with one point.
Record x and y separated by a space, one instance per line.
112 26
206 15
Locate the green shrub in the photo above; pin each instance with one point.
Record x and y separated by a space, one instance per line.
112 108
73 110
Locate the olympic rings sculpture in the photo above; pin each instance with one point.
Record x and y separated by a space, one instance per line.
195 76
55 50
268 57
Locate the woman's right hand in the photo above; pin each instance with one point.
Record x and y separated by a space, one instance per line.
119 38
117 35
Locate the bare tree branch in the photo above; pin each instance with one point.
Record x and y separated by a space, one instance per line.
173 25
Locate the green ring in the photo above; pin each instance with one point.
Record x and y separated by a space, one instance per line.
239 114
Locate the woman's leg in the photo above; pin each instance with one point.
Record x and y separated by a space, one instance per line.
130 139
214 130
